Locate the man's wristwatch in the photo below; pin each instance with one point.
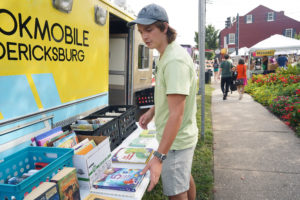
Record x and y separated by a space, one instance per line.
160 156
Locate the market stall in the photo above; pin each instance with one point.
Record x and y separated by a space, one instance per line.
271 47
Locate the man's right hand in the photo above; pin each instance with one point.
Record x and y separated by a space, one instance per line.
146 118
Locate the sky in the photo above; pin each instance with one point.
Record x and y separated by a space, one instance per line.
183 14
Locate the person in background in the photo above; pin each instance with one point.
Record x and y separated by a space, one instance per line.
175 106
282 61
226 72
241 75
216 68
265 62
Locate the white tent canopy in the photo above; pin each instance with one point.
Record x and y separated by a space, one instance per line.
278 43
244 51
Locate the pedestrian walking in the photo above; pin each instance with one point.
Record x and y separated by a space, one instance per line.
226 72
216 68
175 108
241 77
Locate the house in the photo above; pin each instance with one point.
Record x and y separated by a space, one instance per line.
257 25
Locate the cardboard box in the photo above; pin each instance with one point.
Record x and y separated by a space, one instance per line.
90 166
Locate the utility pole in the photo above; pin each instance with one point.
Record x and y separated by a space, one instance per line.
237 32
201 45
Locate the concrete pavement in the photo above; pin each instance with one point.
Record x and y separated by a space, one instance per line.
256 156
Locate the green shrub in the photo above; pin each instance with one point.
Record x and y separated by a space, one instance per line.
280 92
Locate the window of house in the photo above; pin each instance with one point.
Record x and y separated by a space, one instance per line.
270 16
231 38
289 32
225 41
143 57
249 19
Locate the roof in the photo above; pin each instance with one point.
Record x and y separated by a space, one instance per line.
278 43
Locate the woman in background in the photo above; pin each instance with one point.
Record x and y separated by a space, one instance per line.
241 77
216 68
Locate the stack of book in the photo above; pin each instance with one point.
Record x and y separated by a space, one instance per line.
132 155
63 186
90 124
56 138
145 138
84 146
119 179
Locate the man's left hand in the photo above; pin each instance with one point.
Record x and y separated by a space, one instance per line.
155 167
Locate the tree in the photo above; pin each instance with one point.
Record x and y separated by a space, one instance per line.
297 36
211 39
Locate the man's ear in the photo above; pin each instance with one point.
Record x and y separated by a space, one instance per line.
166 27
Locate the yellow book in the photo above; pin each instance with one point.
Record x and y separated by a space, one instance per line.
86 148
98 197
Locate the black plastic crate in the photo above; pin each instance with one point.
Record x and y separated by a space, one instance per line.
145 97
126 117
126 132
110 128
126 122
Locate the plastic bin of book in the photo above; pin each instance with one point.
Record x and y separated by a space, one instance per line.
125 114
145 97
24 160
110 128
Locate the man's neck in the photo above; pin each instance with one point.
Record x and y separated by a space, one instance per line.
161 49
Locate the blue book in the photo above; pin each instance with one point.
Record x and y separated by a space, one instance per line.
122 179
46 134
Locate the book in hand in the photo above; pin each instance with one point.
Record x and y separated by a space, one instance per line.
122 179
45 191
98 197
140 142
148 133
132 155
67 184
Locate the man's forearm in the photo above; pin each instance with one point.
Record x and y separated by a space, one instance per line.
170 132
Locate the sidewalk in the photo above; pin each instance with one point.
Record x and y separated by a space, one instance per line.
256 156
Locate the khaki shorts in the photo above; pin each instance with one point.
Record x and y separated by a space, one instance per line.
176 171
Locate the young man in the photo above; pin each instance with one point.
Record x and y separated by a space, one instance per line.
175 106
225 70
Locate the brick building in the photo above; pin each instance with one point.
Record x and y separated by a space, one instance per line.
257 25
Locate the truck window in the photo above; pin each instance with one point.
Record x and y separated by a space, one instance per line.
143 55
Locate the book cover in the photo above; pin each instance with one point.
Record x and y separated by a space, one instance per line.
67 184
120 179
58 137
43 142
80 144
45 191
84 127
86 148
67 142
46 134
132 155
98 197
148 133
140 142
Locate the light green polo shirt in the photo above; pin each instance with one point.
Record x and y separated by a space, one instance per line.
176 75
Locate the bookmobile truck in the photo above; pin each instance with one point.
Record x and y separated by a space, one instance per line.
64 59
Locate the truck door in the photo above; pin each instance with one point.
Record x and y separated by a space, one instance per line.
118 55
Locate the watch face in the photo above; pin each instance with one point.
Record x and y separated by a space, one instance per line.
160 156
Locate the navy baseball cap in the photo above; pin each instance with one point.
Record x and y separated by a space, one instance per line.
150 14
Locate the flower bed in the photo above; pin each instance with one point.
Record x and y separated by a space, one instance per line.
280 93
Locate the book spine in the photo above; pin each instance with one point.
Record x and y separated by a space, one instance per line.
127 189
